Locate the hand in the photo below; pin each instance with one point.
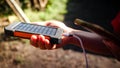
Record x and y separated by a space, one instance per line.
54 23
41 42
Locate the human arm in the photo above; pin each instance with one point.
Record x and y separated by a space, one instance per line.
91 41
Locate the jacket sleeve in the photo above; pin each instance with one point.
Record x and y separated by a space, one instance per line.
116 23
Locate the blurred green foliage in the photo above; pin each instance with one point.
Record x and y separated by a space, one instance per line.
55 9
5 9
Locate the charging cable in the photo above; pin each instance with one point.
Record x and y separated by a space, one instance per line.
81 43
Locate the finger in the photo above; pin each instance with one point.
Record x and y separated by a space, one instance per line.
48 23
33 40
54 46
39 23
48 44
41 42
51 24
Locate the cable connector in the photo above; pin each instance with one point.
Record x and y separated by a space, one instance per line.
67 34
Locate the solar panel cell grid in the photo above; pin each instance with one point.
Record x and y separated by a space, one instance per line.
35 29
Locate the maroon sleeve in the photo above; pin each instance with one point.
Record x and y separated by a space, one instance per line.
113 47
116 23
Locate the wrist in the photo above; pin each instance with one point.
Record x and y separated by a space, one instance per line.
68 29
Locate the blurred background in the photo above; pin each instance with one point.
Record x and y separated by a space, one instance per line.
18 53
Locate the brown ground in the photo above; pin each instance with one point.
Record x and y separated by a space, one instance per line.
18 53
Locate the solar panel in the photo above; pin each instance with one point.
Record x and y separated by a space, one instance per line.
35 29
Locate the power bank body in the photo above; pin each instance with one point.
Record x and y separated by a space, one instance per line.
26 30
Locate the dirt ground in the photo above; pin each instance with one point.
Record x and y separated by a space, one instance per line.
18 53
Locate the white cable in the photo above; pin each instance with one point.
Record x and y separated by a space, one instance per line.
81 43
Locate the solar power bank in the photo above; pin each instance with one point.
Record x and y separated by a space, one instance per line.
25 30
